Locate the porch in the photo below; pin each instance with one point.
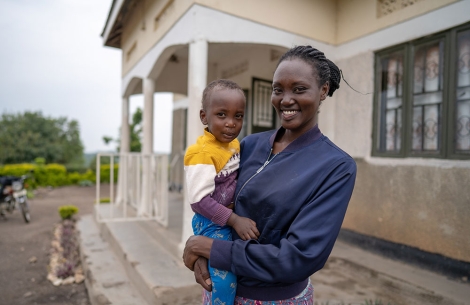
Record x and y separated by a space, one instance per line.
137 262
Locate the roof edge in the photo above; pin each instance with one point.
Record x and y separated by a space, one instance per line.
114 12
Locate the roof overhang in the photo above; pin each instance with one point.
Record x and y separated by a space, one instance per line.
117 15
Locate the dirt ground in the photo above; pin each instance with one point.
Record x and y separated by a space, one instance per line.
23 282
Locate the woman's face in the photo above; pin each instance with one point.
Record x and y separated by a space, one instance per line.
297 95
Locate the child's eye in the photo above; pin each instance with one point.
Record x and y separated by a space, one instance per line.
221 114
239 116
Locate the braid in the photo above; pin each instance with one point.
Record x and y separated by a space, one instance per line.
326 70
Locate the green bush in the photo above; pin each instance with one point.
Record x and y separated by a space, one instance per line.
40 161
51 175
56 174
67 211
20 170
72 168
16 169
105 200
105 173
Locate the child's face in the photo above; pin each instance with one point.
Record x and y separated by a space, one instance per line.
224 113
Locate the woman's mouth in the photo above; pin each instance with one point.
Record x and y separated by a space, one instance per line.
287 114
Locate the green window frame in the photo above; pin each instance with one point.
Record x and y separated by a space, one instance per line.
422 97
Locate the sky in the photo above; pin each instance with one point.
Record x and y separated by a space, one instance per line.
52 60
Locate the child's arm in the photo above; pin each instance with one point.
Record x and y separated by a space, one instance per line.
200 173
245 227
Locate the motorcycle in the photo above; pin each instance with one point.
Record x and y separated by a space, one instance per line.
13 194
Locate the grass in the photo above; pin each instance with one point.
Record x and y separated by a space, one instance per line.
105 200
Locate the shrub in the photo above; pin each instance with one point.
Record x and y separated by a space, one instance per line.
56 174
67 211
105 200
40 161
105 173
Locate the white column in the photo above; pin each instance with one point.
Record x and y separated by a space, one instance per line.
124 149
197 81
147 146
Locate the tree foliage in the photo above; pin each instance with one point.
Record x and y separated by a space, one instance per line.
135 133
25 137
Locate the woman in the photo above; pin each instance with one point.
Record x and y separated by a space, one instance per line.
294 183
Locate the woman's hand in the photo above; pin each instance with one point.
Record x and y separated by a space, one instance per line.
196 246
201 274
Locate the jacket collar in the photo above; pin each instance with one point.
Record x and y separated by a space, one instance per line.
304 140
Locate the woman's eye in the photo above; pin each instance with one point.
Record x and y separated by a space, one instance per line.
276 90
299 89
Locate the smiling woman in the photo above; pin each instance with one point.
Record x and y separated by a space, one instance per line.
294 183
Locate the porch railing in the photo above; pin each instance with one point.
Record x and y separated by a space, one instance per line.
142 192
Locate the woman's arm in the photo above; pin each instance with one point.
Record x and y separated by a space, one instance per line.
196 246
305 246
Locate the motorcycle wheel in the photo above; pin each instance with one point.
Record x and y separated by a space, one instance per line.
25 210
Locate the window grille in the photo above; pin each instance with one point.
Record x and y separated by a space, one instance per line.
422 99
462 93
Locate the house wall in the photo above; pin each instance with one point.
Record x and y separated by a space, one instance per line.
420 205
332 22
423 203
141 31
357 18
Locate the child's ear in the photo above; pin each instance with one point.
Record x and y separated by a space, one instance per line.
202 116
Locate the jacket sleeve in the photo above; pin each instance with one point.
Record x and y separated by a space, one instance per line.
308 242
200 174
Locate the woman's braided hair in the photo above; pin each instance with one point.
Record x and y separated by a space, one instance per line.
325 69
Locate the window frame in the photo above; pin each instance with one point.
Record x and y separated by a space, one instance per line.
449 98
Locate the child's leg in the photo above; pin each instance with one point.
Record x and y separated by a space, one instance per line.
224 283
224 286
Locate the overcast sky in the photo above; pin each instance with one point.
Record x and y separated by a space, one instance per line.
52 59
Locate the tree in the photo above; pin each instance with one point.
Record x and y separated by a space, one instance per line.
135 133
24 137
136 130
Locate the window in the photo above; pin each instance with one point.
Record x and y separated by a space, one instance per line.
422 99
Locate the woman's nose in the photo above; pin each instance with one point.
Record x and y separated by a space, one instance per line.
286 100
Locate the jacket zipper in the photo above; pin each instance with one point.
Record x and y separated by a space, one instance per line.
257 172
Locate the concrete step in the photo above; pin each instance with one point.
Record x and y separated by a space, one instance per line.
155 274
159 276
106 280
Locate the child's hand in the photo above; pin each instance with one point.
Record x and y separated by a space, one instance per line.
245 227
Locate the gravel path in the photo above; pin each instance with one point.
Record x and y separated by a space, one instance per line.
25 250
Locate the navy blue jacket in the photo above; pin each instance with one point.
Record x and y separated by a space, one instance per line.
298 200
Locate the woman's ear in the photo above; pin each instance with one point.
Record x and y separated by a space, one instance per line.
202 116
324 91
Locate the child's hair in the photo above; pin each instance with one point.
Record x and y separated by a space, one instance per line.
217 85
327 71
